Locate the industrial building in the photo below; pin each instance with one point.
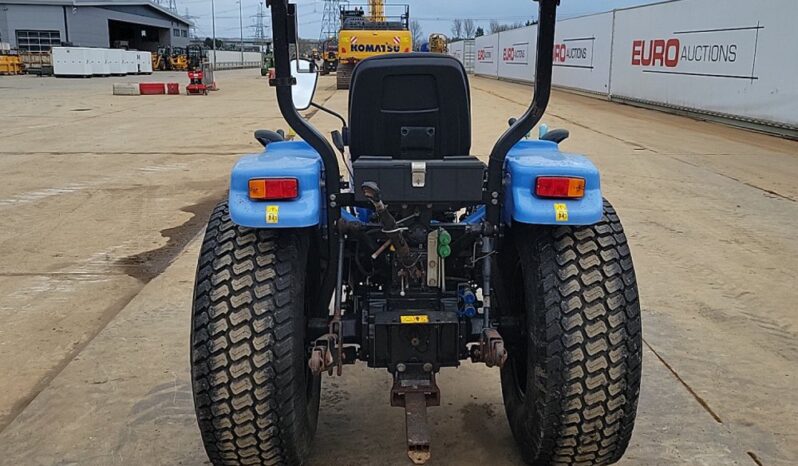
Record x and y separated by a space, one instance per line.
37 25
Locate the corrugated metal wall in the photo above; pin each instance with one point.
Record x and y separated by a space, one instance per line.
4 25
87 26
227 59
32 17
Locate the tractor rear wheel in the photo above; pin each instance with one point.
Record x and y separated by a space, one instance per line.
255 398
343 75
572 380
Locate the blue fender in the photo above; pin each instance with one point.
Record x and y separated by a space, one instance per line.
295 159
532 158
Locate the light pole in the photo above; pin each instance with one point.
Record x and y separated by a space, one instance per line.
241 27
213 32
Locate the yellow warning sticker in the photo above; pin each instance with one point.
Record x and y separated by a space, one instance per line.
420 319
560 212
272 213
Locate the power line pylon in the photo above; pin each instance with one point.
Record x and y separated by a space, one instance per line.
259 28
192 30
330 20
170 5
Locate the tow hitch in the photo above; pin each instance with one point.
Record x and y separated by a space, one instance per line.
414 388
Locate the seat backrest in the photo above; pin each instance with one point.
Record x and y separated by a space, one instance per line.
409 106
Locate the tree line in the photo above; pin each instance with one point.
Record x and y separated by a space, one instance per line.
467 28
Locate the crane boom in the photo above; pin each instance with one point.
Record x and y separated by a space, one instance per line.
377 10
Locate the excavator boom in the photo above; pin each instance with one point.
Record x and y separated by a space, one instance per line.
377 10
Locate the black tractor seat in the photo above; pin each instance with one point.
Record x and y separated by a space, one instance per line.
410 130
409 106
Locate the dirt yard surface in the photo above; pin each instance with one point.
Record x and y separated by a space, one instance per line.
102 199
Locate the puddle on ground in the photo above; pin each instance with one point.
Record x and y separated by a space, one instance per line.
149 264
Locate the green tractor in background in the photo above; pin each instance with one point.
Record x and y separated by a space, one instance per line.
267 62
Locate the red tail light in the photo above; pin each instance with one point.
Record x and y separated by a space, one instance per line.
560 187
273 189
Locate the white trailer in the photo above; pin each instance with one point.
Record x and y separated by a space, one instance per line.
99 62
71 61
115 60
145 62
131 60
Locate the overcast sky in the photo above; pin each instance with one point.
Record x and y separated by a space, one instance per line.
434 15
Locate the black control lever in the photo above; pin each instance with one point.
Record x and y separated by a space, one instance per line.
267 136
556 135
389 226
338 141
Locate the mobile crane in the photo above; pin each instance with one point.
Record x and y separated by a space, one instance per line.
377 10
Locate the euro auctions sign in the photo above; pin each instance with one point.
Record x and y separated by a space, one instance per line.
516 54
575 52
713 52
485 54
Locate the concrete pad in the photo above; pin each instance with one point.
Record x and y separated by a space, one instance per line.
99 195
126 399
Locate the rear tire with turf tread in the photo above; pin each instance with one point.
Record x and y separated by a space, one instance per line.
255 399
572 381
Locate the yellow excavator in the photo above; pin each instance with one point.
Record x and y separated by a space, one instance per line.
329 57
170 59
366 35
178 61
160 59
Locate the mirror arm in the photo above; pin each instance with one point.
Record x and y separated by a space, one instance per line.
282 57
545 50
331 112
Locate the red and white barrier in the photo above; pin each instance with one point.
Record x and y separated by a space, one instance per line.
146 88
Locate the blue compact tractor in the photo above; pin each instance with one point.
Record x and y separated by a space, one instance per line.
411 254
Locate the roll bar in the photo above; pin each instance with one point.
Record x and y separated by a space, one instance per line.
284 28
547 19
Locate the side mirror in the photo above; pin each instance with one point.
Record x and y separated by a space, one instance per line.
306 79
